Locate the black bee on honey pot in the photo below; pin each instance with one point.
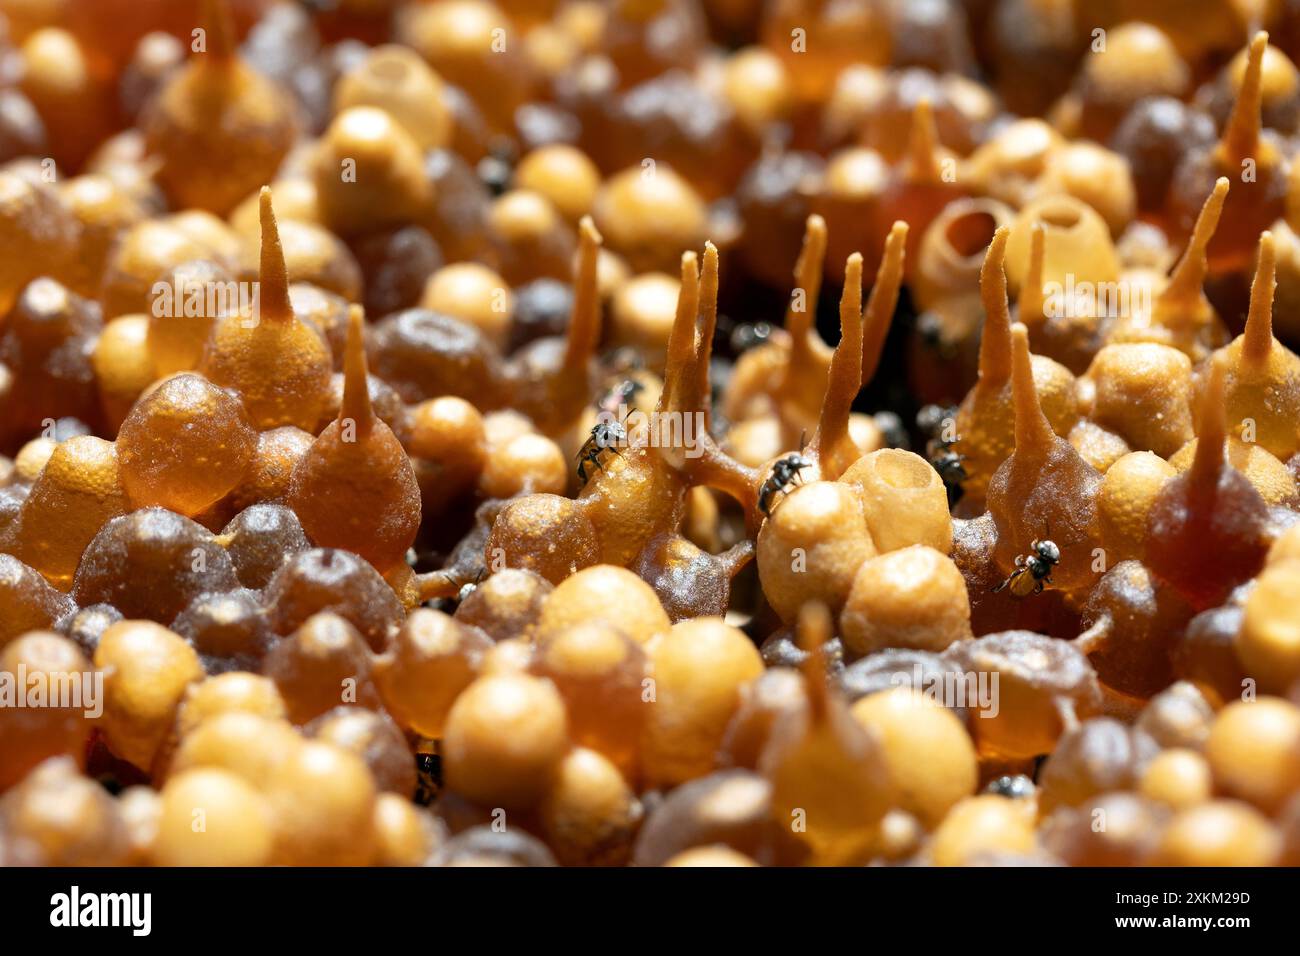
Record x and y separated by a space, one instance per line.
784 475
1033 570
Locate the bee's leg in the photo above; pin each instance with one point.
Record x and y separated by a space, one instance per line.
1038 587
1000 586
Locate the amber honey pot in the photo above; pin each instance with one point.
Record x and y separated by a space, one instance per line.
649 433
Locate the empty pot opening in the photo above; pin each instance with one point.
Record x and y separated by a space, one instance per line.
970 235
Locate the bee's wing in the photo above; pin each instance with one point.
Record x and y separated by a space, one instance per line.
1025 584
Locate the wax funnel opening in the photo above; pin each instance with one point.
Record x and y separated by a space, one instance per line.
970 235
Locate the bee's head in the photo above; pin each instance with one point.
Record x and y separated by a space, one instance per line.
930 419
930 329
749 335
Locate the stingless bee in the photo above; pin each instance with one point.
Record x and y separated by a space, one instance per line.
932 420
892 429
748 335
621 394
785 472
1017 786
428 773
605 436
950 468
469 587
1033 570
621 360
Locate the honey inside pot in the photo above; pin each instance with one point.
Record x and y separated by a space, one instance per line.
697 432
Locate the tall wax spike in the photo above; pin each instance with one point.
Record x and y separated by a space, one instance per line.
681 339
356 387
1189 274
273 280
1257 340
808 280
708 323
813 630
844 378
1030 305
883 300
1034 435
219 26
1211 433
923 145
584 329
995 341
1241 134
